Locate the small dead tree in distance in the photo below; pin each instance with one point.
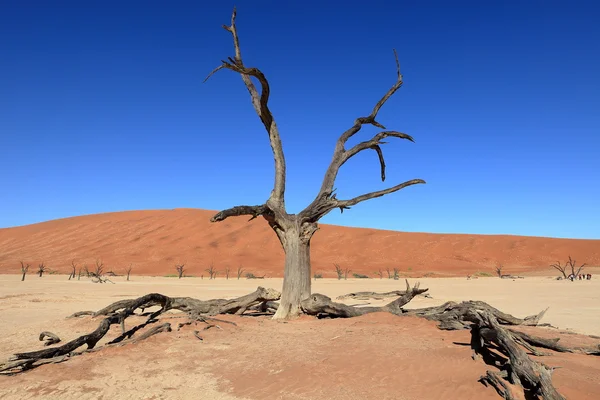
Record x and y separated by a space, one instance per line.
24 269
389 273
295 231
212 272
128 270
41 269
499 270
73 268
227 271
180 269
571 263
379 273
561 268
346 272
339 271
240 271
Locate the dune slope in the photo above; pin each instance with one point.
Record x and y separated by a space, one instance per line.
157 239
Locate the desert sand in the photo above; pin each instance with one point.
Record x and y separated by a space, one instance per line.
377 356
154 241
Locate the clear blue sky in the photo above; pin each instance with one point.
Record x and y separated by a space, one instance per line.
102 108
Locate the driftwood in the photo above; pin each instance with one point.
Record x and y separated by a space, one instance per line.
117 313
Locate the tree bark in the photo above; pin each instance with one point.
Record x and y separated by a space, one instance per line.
296 275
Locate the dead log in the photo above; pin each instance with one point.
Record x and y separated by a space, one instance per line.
374 295
321 305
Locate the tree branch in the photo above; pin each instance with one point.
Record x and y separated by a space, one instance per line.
317 210
254 211
325 200
339 153
260 103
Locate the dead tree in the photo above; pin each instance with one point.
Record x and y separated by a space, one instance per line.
180 269
572 264
396 275
212 272
98 274
379 273
295 231
389 273
227 270
24 269
339 271
499 270
240 271
73 267
41 269
128 270
79 274
346 272
561 268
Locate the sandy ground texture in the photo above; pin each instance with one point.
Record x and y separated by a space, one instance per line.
377 356
154 241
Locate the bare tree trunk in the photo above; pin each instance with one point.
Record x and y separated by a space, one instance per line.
296 275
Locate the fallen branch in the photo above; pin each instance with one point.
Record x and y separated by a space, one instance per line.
375 296
50 338
321 305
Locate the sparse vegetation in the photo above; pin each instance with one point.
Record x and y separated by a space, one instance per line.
180 268
24 269
389 273
227 271
396 275
318 276
360 276
240 271
379 273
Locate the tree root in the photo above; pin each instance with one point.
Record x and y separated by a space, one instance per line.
490 338
487 331
117 312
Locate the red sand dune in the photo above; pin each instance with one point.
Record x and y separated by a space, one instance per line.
155 240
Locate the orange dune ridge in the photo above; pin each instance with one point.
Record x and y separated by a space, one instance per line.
155 240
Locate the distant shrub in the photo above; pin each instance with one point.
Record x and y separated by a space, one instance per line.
360 276
318 276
